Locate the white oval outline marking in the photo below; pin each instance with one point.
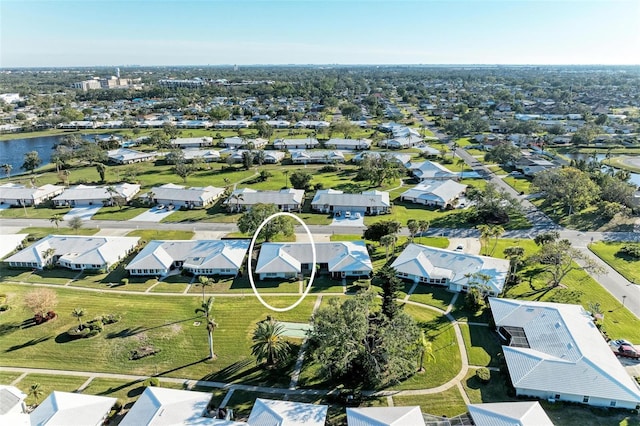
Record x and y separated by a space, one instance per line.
313 269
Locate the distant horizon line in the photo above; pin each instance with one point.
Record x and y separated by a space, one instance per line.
320 65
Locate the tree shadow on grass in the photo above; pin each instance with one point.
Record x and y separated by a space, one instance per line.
26 344
8 328
128 332
172 370
230 373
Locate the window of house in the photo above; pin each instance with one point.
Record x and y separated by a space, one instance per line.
557 396
585 399
612 404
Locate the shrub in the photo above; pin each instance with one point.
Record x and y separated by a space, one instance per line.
483 374
118 406
152 381
142 352
631 250
125 281
329 169
110 319
79 332
4 308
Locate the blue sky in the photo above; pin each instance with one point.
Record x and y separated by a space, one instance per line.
185 32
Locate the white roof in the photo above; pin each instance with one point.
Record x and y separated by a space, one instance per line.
14 191
268 412
207 154
562 341
66 408
84 250
334 197
126 154
171 191
430 170
431 262
524 413
399 157
164 407
10 242
10 399
385 416
437 190
296 142
190 141
288 257
238 141
348 142
316 155
88 192
212 254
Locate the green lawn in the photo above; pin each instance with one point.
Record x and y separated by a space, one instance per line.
161 234
520 184
49 383
625 265
448 403
7 377
36 233
482 344
117 213
40 212
431 295
125 391
576 415
166 323
495 391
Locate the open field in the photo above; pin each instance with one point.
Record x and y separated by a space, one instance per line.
448 403
623 264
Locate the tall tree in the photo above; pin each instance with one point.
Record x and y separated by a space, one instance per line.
413 226
567 185
36 392
31 161
56 219
248 223
247 159
102 169
388 241
78 313
41 300
204 281
424 226
206 309
183 170
493 205
236 198
76 223
426 350
269 344
391 286
515 255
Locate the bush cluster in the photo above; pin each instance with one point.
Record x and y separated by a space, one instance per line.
630 250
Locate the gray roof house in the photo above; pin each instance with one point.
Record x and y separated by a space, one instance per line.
83 195
428 170
286 199
11 242
238 142
303 156
74 252
452 269
70 408
385 416
349 144
179 195
440 193
520 413
269 412
13 410
200 257
296 143
206 155
192 142
530 165
399 157
555 351
14 194
400 142
129 156
367 202
339 258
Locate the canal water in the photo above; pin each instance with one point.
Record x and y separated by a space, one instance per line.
634 179
12 151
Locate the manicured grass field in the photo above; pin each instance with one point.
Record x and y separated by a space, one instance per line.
626 266
447 403
37 233
117 213
48 383
431 295
520 184
7 377
32 212
166 323
161 234
483 346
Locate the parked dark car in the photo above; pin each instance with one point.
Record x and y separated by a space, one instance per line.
628 352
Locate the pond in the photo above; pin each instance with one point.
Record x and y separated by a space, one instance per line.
634 179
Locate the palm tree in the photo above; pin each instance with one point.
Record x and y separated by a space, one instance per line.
6 168
78 313
414 227
55 219
47 254
426 350
486 233
237 198
423 226
286 178
36 392
206 309
112 191
268 343
204 281
388 241
515 254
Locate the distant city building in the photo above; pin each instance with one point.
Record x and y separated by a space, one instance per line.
190 83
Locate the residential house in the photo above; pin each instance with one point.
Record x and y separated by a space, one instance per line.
429 170
401 142
80 124
279 124
88 195
287 200
11 242
273 157
454 270
199 257
233 124
367 202
238 142
303 156
385 416
129 156
438 193
520 413
15 194
74 252
70 408
268 412
312 124
530 165
554 351
206 155
296 143
348 144
159 406
179 196
13 410
192 142
402 159
339 259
